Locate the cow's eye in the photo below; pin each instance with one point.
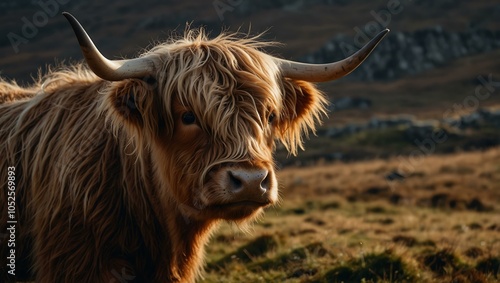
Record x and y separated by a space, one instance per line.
271 118
188 118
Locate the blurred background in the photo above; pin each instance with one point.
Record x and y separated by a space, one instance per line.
423 75
408 154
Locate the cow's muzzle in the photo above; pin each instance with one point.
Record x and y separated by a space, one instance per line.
248 183
245 186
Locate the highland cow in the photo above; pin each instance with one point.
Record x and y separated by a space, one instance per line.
122 169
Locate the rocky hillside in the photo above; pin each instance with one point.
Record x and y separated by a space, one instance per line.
408 53
400 135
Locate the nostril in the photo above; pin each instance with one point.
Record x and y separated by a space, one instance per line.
264 185
235 182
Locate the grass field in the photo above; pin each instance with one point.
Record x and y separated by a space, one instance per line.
349 223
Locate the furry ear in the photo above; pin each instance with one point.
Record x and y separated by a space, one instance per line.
134 102
125 102
303 107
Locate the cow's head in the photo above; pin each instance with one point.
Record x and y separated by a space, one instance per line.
210 112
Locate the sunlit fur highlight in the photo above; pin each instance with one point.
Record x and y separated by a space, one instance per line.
101 189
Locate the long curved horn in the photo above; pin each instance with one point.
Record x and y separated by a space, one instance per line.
331 71
111 70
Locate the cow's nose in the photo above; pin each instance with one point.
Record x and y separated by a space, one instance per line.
249 181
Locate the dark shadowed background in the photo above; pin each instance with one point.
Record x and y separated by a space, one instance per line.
401 182
423 76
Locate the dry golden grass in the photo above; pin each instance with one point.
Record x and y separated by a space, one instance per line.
437 225
464 175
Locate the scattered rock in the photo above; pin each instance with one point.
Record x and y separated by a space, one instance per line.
331 205
394 176
477 205
490 265
376 209
440 200
386 221
407 241
396 199
372 268
301 272
475 226
316 221
376 190
468 275
474 252
258 247
345 103
494 227
302 232
441 261
298 211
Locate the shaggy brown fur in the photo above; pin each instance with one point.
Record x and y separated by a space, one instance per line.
112 185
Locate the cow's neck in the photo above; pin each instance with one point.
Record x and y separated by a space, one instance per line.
178 241
187 238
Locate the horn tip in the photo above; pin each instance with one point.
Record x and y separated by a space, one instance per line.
381 35
83 39
67 15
